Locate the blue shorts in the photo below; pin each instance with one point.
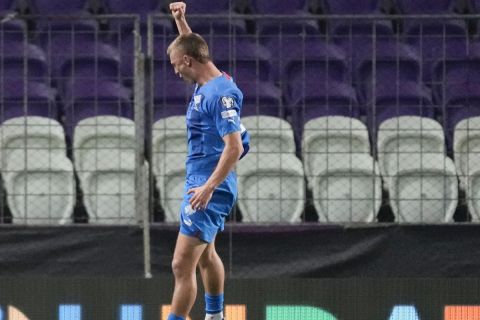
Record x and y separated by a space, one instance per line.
204 224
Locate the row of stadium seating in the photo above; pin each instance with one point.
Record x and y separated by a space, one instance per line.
337 165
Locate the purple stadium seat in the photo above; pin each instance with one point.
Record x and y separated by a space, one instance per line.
241 58
457 68
77 8
353 34
303 25
171 94
40 100
393 99
11 29
289 52
6 4
433 38
58 6
425 6
309 100
474 5
351 7
89 98
13 56
394 60
279 7
86 60
123 28
261 98
456 85
214 25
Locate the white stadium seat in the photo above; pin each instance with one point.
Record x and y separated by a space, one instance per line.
332 135
347 188
169 151
467 146
407 135
104 154
423 188
40 187
32 133
271 188
269 134
472 182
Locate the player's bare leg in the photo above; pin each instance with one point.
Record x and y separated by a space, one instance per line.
188 251
213 276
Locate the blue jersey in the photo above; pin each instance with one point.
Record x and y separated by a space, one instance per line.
213 112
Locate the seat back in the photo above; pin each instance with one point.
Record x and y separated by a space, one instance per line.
466 145
271 134
407 135
271 188
332 135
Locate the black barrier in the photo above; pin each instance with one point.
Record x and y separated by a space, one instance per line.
305 299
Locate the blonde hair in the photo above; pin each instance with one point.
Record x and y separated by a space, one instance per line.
191 44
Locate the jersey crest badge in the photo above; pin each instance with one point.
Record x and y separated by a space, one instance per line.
227 102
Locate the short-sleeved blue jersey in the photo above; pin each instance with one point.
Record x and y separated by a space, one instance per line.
213 112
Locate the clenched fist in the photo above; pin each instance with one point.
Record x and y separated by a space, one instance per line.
178 9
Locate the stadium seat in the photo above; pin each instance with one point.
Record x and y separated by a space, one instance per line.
55 32
354 35
40 187
311 100
435 39
6 4
242 58
407 135
215 25
425 6
47 174
17 58
261 98
104 154
85 98
474 5
123 28
171 95
89 61
423 188
287 26
33 133
289 52
329 136
472 186
271 134
466 147
34 99
394 99
456 89
347 188
11 28
393 60
169 151
271 188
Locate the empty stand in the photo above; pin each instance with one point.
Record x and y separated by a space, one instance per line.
169 151
38 175
32 99
343 176
104 153
423 188
271 188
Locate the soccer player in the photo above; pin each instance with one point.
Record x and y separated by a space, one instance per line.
216 141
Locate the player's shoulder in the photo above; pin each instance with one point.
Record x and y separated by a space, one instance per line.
225 88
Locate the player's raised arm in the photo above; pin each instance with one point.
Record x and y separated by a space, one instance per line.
178 12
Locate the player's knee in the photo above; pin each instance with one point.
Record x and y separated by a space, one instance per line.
180 267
